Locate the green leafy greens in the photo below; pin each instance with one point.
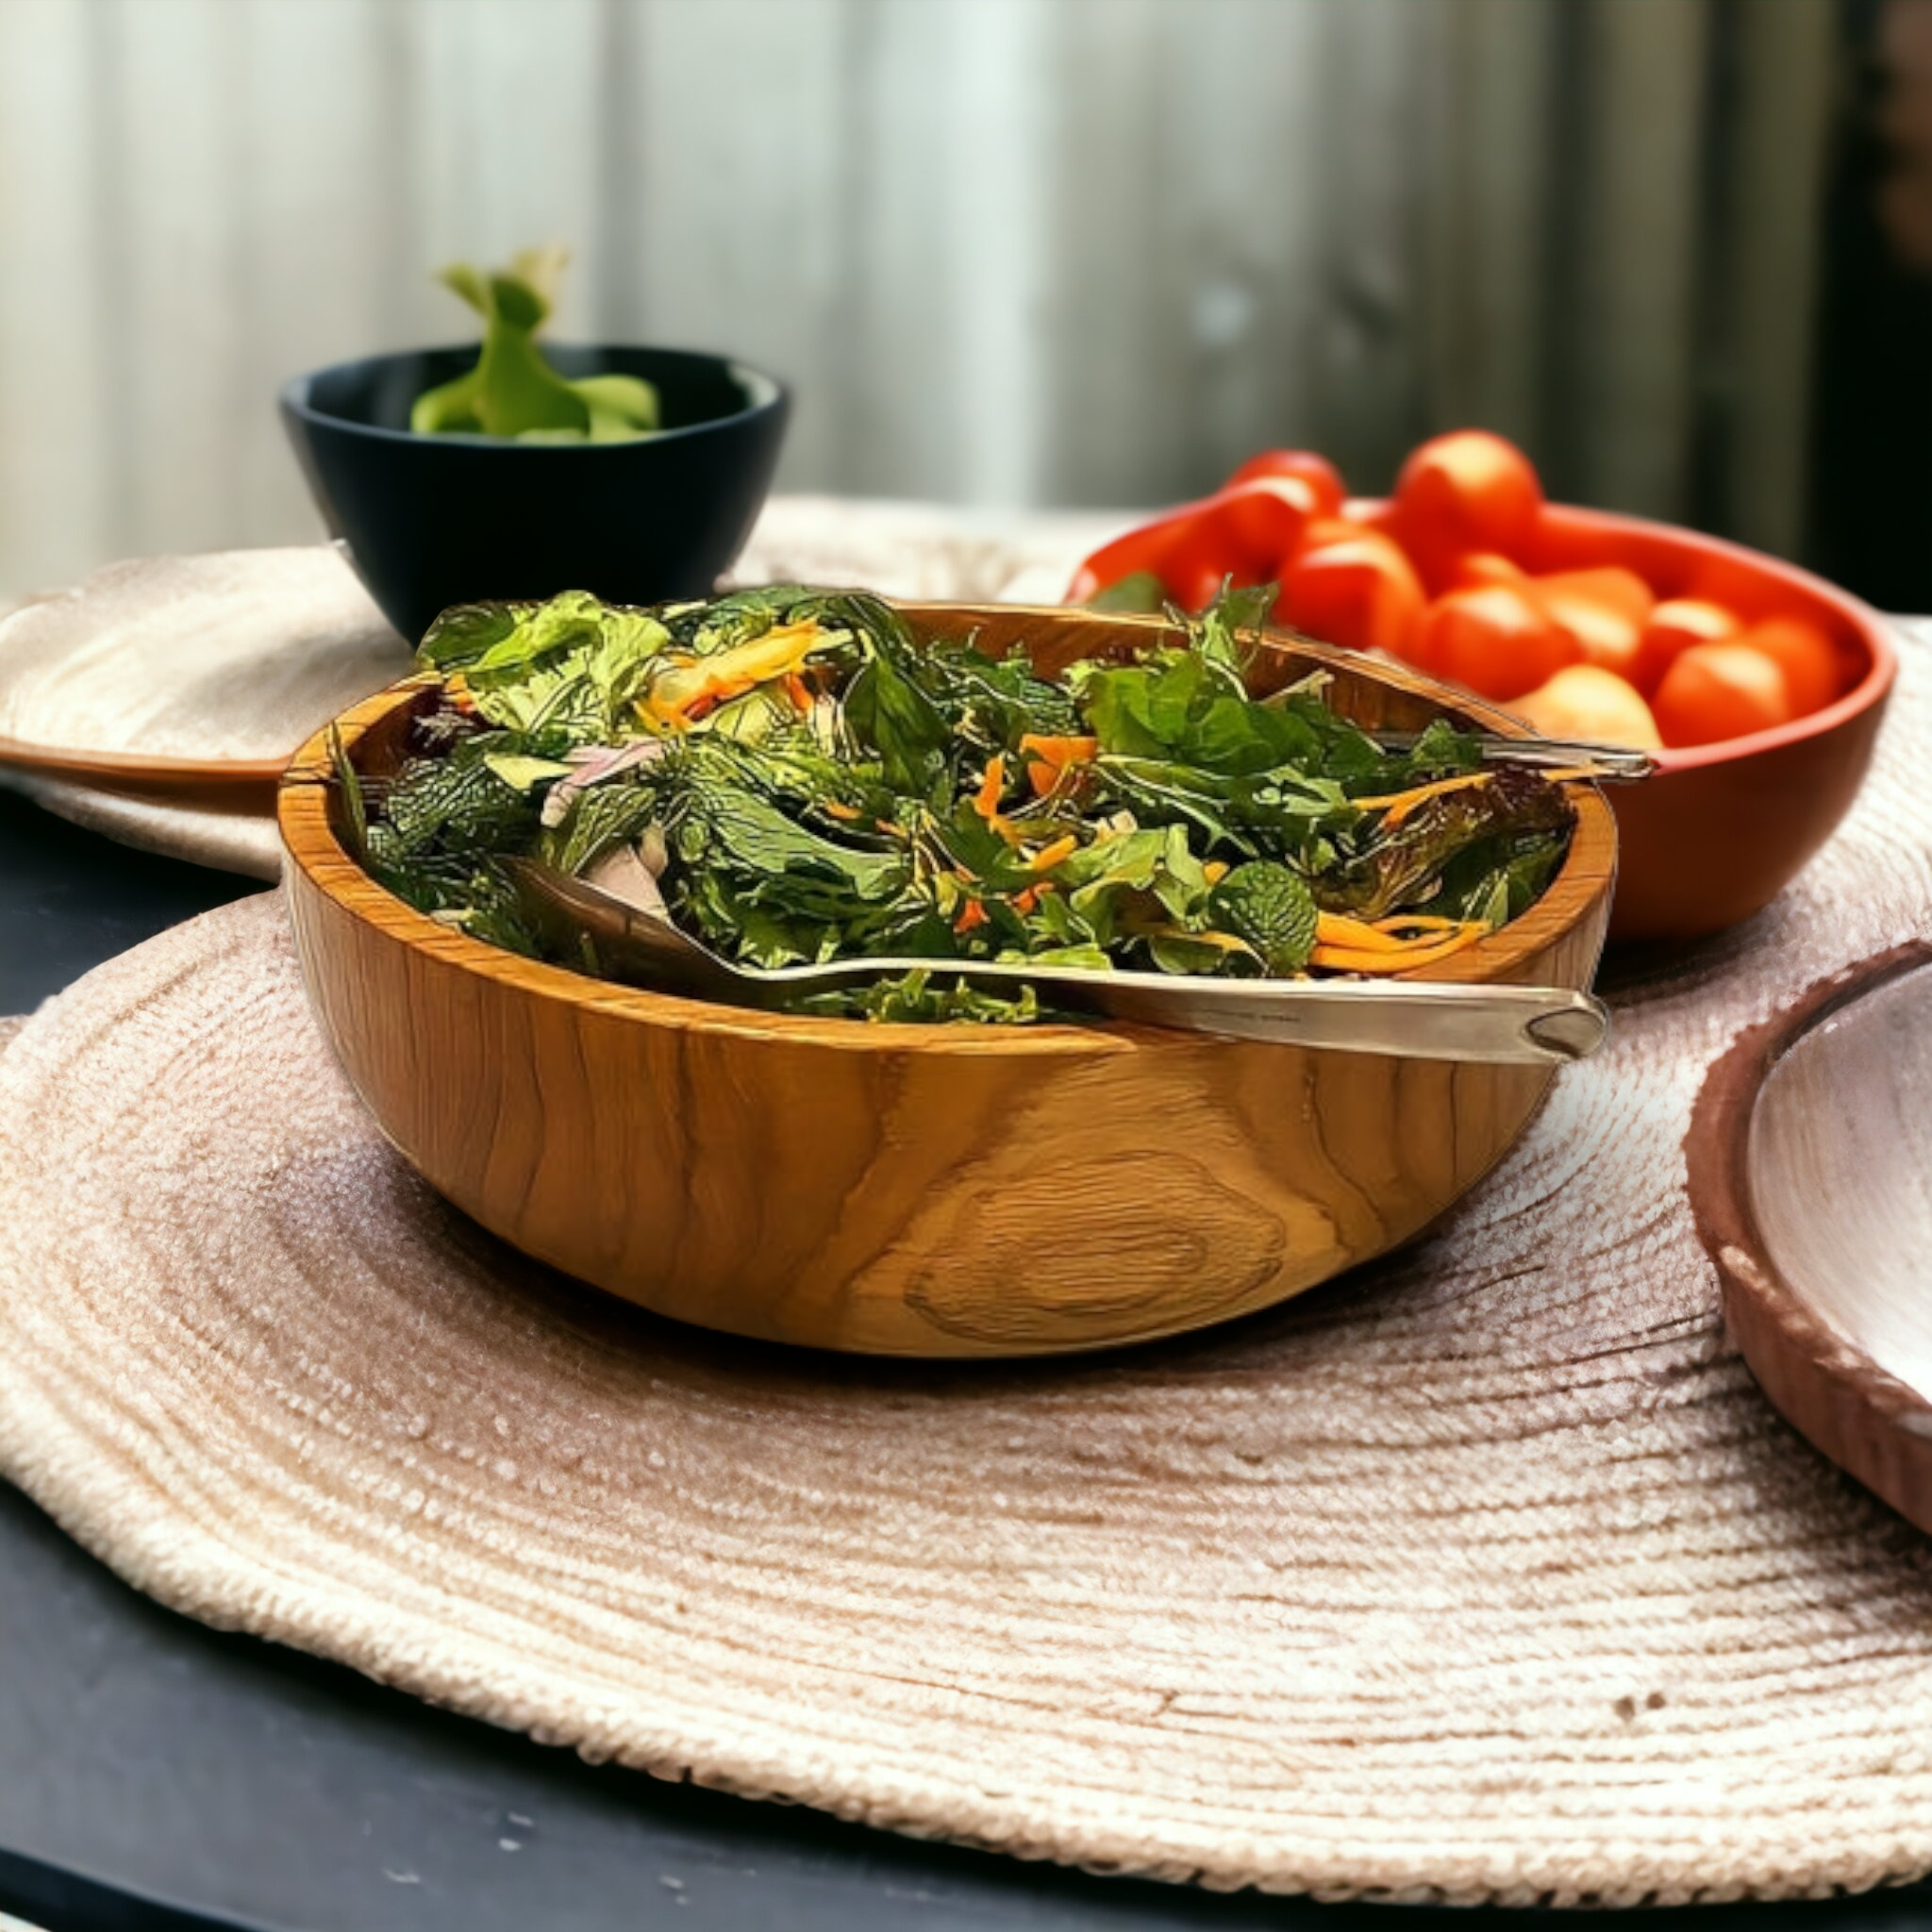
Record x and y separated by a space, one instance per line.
793 776
513 391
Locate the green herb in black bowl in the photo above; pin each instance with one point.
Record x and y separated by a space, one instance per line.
633 473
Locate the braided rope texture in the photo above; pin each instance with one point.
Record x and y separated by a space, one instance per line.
1484 1573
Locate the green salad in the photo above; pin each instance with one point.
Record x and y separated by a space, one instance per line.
791 776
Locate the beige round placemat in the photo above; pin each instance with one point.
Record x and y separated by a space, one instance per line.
1485 1572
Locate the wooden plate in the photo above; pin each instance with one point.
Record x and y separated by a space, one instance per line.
1810 1170
187 681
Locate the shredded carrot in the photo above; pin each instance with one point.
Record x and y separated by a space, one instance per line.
799 692
1025 903
888 827
834 810
1439 940
1049 759
1061 751
985 801
1050 856
1214 871
970 914
1397 806
1337 930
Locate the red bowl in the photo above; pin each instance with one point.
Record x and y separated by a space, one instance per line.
1721 829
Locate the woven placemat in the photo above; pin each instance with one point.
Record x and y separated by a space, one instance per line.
1483 1574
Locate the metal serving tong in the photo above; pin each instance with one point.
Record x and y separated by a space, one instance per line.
1525 1026
1613 762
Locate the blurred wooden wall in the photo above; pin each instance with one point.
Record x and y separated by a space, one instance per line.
1009 251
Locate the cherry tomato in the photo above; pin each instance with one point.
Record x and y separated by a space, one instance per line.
1496 640
1806 655
1468 490
1318 473
1262 521
1247 533
1721 690
1323 531
1476 567
1588 701
1603 609
1672 627
1359 591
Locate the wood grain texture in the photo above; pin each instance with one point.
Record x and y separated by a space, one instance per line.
902 1189
1485 1572
1808 1164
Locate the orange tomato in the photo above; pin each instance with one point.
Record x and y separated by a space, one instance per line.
1672 627
1588 701
1326 530
1603 609
1318 473
1476 567
1721 690
1496 638
1467 491
1805 654
1360 591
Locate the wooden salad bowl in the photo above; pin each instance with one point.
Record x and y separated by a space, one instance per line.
902 1189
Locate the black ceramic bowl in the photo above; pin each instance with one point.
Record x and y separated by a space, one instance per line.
431 521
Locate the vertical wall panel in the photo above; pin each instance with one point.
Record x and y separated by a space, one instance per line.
1639 213
59 480
1774 170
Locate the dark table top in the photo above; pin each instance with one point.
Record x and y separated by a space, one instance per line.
157 1776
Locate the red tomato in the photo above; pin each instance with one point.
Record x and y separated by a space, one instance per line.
1805 654
1468 490
1603 609
1146 548
1262 521
1721 690
1247 533
1474 567
1318 473
1359 591
1496 640
1672 627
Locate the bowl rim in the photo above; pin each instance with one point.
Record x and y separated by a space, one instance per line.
1788 1346
1583 882
1873 628
768 393
1870 625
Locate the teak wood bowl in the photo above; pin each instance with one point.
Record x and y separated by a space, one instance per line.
897 1190
1810 1170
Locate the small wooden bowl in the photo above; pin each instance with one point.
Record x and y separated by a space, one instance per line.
939 1190
1810 1170
1722 829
